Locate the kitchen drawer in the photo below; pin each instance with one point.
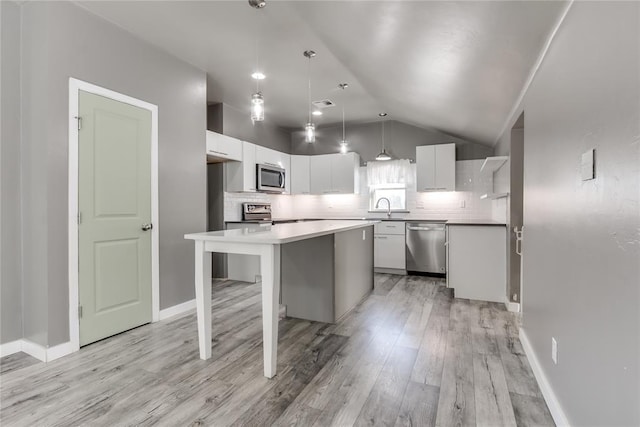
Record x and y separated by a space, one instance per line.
390 227
389 251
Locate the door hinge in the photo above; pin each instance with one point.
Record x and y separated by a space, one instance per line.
79 312
79 218
79 119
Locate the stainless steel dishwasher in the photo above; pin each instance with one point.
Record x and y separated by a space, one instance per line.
425 247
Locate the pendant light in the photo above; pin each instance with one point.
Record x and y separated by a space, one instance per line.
343 144
257 99
383 156
309 129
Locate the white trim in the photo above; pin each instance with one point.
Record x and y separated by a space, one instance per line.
11 347
57 351
513 307
547 391
34 350
533 73
178 310
44 354
74 87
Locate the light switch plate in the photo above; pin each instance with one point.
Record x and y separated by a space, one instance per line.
587 165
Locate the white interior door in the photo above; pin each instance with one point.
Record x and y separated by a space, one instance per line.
114 204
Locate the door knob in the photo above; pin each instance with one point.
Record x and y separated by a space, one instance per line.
147 227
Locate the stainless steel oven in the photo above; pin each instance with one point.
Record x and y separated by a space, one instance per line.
270 179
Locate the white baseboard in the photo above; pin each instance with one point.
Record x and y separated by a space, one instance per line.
57 351
41 353
9 348
547 391
35 350
177 310
513 307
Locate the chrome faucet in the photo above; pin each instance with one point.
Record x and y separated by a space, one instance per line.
388 205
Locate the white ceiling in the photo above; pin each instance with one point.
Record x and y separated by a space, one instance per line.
457 67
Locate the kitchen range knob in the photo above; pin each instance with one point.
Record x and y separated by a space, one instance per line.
147 227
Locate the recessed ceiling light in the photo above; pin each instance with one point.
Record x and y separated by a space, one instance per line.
382 114
317 113
258 75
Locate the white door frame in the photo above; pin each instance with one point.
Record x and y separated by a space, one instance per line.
75 86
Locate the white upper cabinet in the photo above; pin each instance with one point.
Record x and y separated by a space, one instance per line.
320 174
221 148
267 156
334 174
436 167
345 173
241 176
299 175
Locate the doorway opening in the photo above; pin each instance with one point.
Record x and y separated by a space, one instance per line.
516 204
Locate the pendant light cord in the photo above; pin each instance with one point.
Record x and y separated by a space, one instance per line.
383 148
343 138
257 52
309 87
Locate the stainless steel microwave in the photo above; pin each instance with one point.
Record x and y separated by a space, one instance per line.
270 179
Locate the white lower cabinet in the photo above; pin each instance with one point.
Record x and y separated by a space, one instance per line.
389 245
477 262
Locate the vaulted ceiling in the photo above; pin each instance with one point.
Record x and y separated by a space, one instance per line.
457 67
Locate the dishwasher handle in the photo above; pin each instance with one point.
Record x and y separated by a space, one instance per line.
425 228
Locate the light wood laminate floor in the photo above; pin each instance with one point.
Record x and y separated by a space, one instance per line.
408 355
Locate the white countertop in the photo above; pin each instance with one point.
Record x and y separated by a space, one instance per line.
281 233
474 222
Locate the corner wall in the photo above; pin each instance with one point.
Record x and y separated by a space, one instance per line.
10 222
62 40
582 238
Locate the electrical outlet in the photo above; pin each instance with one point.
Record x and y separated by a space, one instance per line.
554 350
364 235
463 204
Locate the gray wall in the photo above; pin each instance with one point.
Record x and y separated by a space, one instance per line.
61 40
225 119
10 262
400 139
582 243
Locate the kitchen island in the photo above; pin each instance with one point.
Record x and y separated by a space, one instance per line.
333 240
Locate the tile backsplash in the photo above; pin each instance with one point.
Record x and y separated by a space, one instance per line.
464 203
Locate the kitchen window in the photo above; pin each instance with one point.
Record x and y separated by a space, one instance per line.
397 195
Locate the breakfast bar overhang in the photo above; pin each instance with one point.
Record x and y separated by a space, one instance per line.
266 243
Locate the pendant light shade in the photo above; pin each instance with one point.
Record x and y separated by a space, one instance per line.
310 132
383 155
257 107
310 128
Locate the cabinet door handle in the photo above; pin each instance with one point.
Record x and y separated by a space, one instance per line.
381 237
218 152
